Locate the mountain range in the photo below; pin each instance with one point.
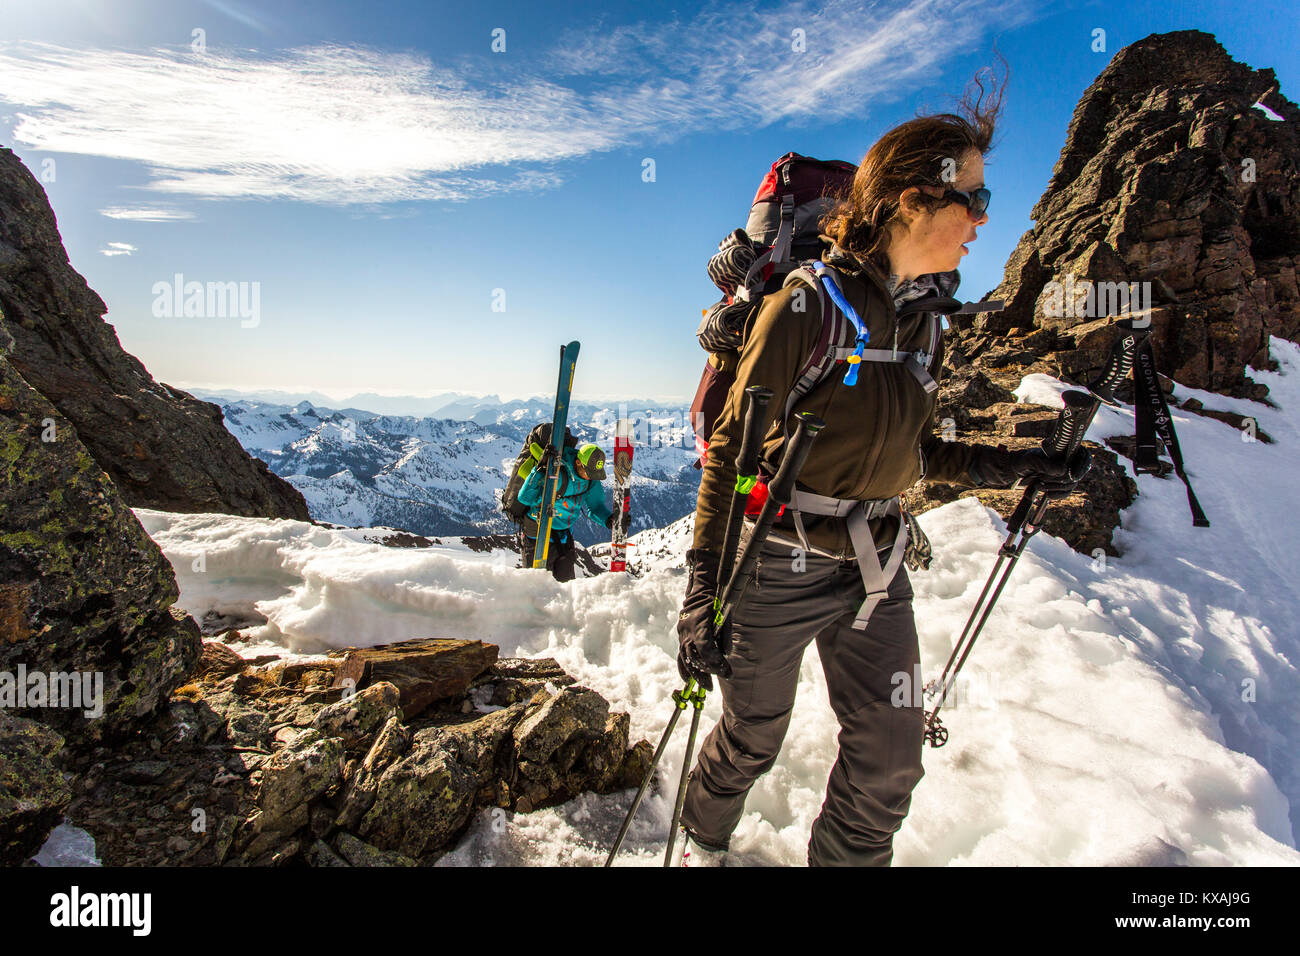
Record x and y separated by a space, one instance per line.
444 475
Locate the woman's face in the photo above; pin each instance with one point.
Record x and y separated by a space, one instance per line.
936 243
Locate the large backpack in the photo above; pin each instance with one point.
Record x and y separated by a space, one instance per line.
782 231
523 466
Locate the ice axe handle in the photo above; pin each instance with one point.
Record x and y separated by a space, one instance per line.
1075 417
1121 360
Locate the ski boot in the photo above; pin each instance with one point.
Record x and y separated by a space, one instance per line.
694 853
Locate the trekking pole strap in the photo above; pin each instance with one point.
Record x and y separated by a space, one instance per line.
1152 418
857 514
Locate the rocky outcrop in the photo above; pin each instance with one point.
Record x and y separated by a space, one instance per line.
285 764
90 642
162 447
1175 190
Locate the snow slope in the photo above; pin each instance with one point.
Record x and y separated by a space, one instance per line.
1140 711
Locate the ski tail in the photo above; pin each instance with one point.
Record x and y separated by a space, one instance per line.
622 493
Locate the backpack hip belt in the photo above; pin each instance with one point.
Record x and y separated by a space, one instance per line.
857 514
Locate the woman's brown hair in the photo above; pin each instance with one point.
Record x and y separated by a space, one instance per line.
927 150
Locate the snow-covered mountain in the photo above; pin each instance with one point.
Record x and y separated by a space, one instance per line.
444 476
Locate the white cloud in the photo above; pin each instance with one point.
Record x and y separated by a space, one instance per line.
146 213
352 125
118 249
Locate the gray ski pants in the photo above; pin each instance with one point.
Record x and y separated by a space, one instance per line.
879 763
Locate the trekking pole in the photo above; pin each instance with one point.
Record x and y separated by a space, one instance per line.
697 699
1024 523
779 492
680 698
746 466
756 401
1121 361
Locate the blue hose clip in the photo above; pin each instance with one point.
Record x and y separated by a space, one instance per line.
854 360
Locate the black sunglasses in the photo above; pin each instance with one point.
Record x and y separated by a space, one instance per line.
976 202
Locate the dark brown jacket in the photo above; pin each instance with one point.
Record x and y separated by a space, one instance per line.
879 437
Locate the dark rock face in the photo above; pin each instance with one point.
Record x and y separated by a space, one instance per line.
162 447
1169 176
84 593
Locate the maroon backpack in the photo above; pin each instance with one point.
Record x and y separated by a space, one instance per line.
782 231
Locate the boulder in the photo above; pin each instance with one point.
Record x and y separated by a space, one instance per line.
423 671
392 742
357 718
298 774
427 796
359 853
33 794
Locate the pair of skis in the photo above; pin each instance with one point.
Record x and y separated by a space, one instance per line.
552 460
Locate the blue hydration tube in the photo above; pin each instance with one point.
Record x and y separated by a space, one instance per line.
854 360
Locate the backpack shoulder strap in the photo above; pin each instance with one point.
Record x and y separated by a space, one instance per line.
830 348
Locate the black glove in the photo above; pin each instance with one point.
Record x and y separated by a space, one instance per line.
622 520
703 650
999 468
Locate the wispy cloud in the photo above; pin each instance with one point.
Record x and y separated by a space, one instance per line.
118 249
147 213
351 125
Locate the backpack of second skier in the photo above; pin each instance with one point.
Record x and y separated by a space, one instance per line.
523 466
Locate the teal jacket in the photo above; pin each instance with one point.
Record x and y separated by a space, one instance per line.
576 495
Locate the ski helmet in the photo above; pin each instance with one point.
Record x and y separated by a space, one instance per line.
592 460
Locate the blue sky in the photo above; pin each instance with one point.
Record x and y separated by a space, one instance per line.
380 172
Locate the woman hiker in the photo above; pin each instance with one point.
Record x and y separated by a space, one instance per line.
582 472
916 201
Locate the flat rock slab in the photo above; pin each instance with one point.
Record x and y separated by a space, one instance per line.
423 671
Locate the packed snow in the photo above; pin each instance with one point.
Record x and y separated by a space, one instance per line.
1135 710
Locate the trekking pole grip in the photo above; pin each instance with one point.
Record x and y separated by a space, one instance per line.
807 427
757 398
1073 421
1122 356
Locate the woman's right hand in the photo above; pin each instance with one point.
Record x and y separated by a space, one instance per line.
703 649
